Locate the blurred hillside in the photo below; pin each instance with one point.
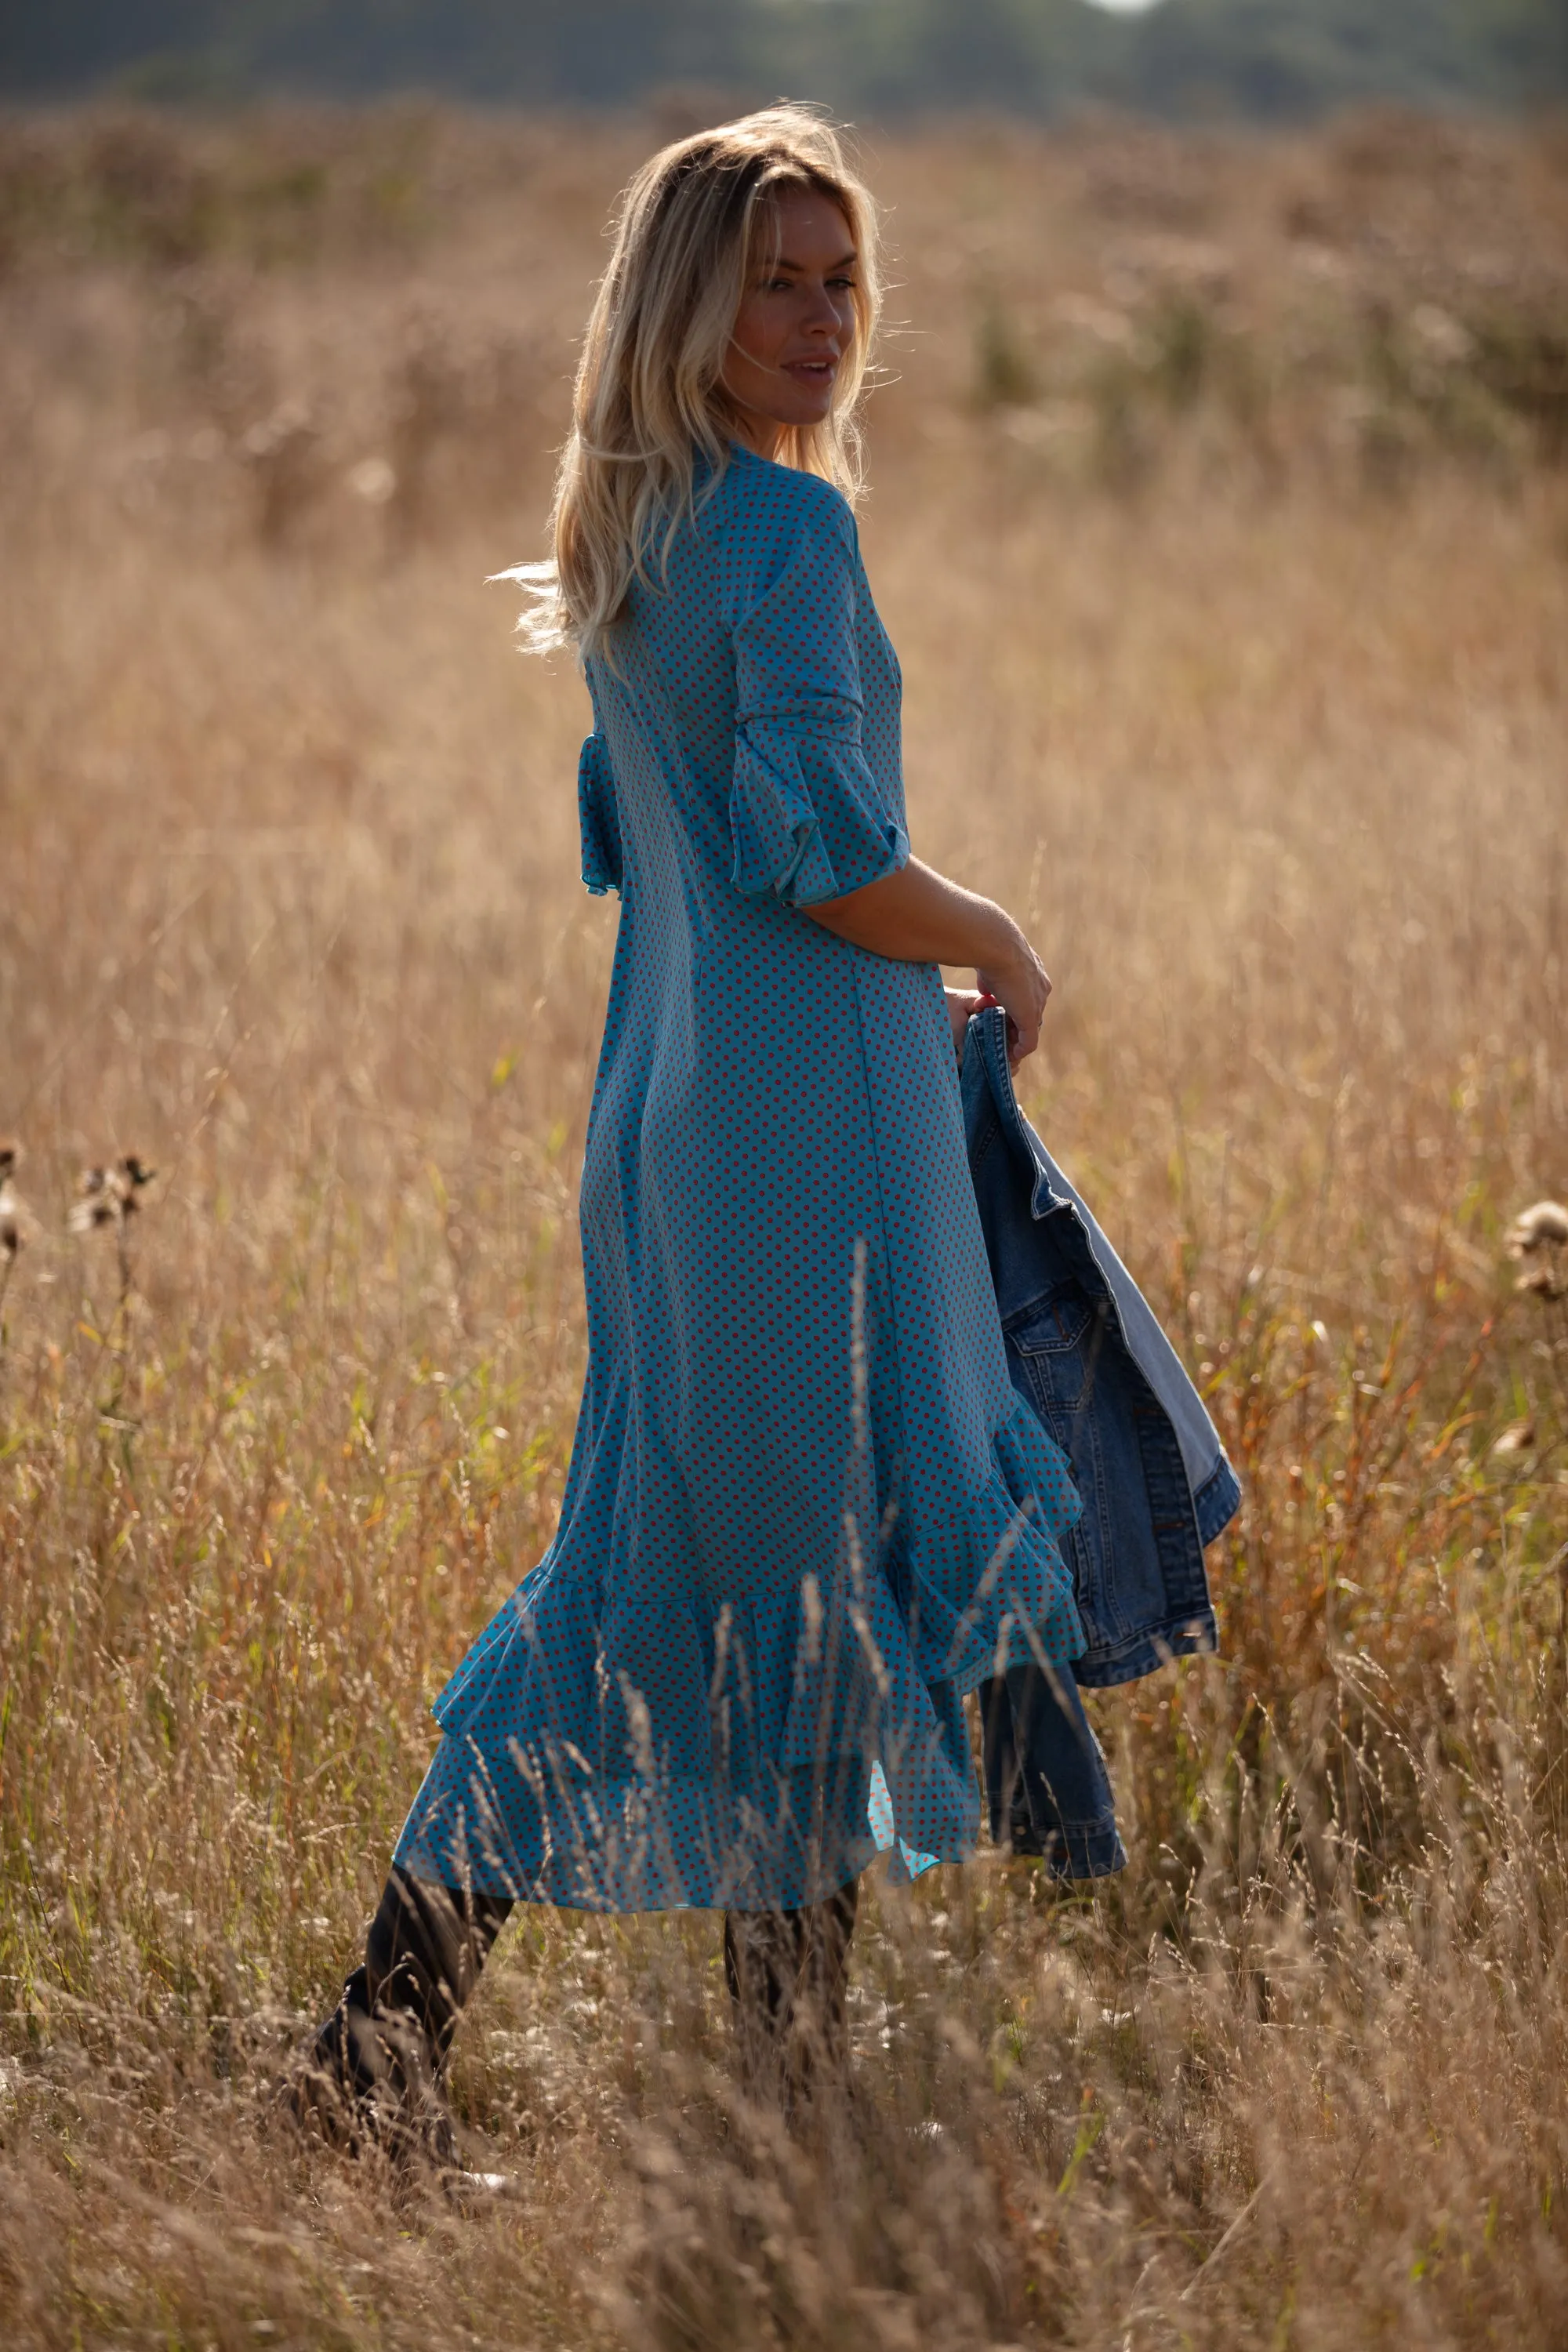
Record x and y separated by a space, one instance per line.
1263 60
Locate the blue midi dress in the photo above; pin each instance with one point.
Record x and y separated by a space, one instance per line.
806 1510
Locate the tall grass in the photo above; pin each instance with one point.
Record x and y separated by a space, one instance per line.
1233 610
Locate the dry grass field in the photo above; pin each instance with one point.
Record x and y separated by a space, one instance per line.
1220 515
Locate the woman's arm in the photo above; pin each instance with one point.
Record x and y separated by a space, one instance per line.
918 916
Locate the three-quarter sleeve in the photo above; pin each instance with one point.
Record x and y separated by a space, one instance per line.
599 817
808 818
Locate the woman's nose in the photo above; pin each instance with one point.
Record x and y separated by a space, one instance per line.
822 316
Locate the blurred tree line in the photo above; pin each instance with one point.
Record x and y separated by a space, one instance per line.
1267 60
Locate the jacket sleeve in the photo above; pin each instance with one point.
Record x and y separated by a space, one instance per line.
808 817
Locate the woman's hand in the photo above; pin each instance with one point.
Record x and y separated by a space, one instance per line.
918 916
1021 986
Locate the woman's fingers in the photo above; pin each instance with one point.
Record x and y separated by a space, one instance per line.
961 1003
1021 986
1022 1040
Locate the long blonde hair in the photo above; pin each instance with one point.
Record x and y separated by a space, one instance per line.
649 396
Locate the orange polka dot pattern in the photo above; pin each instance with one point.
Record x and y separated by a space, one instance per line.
806 1510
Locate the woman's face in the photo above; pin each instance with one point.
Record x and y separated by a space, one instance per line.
796 322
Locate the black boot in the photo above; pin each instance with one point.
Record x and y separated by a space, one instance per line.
374 2069
788 1974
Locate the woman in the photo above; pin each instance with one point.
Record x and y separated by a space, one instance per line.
805 1511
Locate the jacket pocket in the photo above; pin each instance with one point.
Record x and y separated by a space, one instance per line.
1061 1339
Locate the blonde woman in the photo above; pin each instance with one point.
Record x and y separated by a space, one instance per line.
806 1510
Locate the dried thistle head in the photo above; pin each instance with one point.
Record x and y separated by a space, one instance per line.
1545 1281
128 1180
1544 1226
107 1196
93 1205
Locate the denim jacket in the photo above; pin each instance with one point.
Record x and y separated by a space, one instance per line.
1084 1348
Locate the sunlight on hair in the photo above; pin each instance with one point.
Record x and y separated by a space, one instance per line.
648 409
